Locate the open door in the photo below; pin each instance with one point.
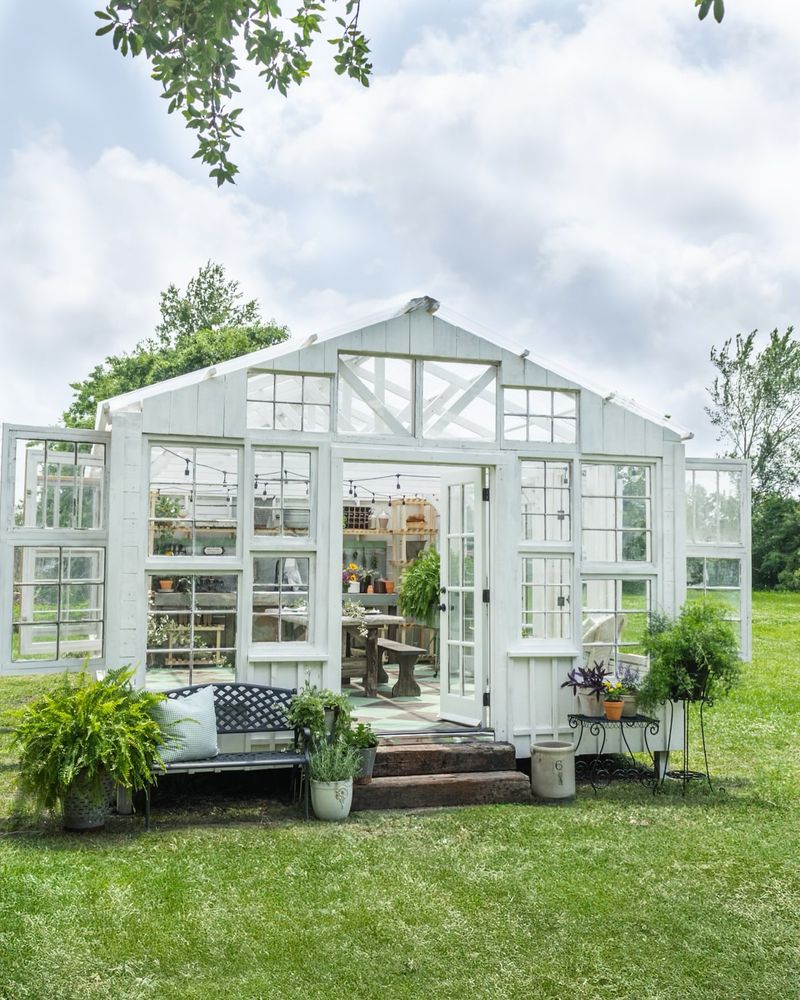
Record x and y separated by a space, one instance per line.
463 580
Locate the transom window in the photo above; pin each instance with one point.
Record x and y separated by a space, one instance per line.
281 606
191 629
617 513
713 506
282 501
193 501
58 602
289 402
376 395
547 415
546 501
459 400
59 484
546 597
614 622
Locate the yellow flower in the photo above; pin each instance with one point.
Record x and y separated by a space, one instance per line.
352 566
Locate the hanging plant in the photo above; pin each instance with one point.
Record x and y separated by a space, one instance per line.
419 588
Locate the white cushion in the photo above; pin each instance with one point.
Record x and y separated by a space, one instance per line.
190 724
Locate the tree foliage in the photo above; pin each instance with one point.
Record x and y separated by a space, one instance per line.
776 543
195 48
718 6
755 407
206 324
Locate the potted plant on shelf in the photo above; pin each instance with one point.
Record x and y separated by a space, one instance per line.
613 694
79 741
419 588
325 713
352 575
332 766
365 742
694 657
587 684
630 678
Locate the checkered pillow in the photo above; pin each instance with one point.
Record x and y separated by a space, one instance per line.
190 723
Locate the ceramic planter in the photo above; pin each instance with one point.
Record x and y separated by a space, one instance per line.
613 710
354 587
628 706
332 799
590 704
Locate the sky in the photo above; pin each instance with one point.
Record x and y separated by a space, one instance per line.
610 183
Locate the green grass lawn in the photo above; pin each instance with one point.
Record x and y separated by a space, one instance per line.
619 895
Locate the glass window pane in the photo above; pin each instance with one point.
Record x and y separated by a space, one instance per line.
375 395
723 572
288 388
459 400
281 598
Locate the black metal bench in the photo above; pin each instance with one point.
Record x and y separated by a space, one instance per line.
247 708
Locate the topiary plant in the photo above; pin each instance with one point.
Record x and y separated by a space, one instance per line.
419 588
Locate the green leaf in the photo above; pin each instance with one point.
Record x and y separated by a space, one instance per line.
105 29
719 10
705 7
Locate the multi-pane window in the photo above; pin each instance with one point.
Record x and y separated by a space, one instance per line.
715 580
193 501
546 415
289 402
191 629
58 600
713 506
546 501
459 400
614 622
546 597
59 484
281 598
617 513
282 501
376 395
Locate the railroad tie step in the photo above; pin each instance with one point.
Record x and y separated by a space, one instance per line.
419 791
443 758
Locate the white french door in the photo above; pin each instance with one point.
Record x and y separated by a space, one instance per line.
462 611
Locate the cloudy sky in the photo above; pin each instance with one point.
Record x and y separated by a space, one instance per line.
610 182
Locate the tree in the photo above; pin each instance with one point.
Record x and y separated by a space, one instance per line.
207 324
755 406
195 47
776 543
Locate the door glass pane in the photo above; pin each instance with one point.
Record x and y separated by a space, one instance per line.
455 500
468 659
454 669
469 562
454 615
468 599
469 507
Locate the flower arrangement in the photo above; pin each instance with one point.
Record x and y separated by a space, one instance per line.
352 573
629 677
355 609
588 680
613 690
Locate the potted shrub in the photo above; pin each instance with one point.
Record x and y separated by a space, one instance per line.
419 588
332 766
613 693
694 657
587 684
80 740
363 739
324 712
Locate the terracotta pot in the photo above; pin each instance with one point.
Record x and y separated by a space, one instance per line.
613 710
390 586
165 584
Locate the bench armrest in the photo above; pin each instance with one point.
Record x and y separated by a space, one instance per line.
305 733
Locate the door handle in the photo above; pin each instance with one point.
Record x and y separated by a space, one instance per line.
443 607
442 590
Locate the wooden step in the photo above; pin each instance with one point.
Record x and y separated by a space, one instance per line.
443 758
420 791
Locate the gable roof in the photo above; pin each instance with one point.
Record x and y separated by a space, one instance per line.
268 355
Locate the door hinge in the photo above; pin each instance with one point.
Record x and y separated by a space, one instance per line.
487 699
486 597
485 494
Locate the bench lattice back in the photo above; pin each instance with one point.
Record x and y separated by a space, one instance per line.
246 708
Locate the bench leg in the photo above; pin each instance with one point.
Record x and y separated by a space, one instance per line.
306 787
147 809
406 686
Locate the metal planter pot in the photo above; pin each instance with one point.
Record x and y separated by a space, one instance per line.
83 808
368 755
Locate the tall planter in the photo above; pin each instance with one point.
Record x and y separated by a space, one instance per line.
85 807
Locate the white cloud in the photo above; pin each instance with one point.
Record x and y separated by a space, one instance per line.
611 182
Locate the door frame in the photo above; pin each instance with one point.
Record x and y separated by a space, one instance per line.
451 458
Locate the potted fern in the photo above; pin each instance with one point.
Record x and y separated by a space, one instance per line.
83 738
419 588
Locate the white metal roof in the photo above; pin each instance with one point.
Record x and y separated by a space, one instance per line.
256 358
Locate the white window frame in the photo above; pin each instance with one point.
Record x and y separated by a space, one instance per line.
528 413
323 376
